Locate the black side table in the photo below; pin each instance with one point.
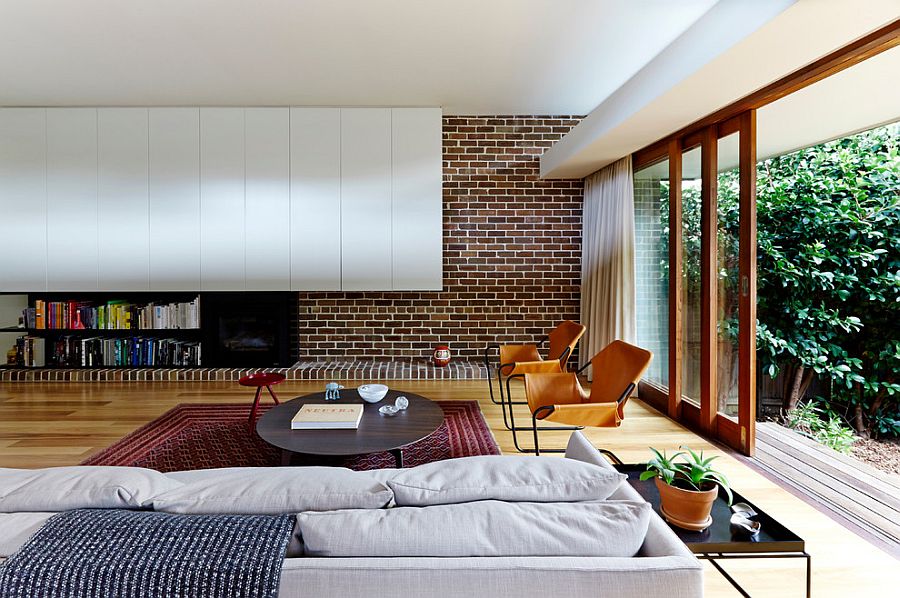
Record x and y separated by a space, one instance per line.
717 543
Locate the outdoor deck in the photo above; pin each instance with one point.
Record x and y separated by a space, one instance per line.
862 498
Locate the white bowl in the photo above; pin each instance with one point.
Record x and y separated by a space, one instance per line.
372 393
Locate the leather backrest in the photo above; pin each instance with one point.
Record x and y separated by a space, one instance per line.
614 368
565 336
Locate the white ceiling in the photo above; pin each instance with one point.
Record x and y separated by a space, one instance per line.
639 113
469 56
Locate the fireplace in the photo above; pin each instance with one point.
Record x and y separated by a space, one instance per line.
249 329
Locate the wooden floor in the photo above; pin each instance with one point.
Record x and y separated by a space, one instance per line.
46 424
862 497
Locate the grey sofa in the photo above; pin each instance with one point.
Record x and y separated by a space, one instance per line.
662 567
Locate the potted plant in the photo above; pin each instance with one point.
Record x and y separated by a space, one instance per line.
687 488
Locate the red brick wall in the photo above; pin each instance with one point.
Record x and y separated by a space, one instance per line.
512 254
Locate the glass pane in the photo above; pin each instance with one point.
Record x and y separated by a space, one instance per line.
651 256
690 273
728 279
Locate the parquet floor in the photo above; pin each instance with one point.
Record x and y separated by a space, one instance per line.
47 424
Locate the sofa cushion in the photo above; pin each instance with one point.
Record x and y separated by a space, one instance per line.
507 478
484 528
17 528
275 490
79 487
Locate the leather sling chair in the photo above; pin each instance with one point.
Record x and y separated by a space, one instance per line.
519 359
559 397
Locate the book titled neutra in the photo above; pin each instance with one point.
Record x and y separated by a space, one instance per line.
327 417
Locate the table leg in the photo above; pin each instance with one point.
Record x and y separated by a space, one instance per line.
398 457
286 456
729 578
808 574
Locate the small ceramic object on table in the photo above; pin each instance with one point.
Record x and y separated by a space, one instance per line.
401 403
742 522
388 410
332 391
372 393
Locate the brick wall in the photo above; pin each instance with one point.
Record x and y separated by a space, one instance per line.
651 282
512 254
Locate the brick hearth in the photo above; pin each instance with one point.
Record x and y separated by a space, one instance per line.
317 369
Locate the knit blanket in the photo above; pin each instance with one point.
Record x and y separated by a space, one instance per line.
91 553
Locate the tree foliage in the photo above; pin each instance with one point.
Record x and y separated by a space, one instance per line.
829 274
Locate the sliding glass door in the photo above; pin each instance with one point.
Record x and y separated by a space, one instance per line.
695 260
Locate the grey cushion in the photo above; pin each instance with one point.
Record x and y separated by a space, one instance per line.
275 490
485 528
17 528
508 478
79 487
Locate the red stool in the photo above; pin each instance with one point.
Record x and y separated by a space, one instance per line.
260 380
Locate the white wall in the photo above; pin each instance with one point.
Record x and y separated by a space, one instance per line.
118 199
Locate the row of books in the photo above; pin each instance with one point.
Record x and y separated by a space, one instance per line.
30 352
71 351
113 315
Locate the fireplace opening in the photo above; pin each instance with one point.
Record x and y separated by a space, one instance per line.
248 329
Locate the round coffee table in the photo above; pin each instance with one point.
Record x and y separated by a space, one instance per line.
376 433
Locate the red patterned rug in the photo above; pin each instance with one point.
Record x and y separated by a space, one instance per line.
206 436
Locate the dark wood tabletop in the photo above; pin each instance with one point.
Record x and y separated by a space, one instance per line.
376 433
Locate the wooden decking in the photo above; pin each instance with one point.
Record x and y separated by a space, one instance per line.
861 497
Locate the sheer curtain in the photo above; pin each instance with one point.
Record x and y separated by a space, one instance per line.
607 259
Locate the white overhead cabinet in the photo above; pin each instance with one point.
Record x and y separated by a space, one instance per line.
366 199
123 199
72 233
174 199
222 199
23 199
416 214
171 199
267 209
316 187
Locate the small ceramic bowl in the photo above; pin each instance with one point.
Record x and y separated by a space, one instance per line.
372 393
388 410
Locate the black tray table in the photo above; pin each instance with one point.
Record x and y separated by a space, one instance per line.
717 542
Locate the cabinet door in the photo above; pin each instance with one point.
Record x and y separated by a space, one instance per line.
23 199
124 199
221 199
366 199
316 199
72 231
267 228
416 211
174 199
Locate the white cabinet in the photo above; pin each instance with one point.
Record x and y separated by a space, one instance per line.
316 199
366 199
72 240
168 199
416 211
123 199
23 199
221 199
267 221
174 199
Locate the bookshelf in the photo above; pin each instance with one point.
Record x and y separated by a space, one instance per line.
105 330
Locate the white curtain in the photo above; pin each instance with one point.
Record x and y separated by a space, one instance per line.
607 259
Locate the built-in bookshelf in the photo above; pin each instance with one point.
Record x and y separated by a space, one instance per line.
103 331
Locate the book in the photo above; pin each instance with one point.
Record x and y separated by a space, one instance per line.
327 417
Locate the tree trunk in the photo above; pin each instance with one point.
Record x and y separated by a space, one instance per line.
795 387
859 421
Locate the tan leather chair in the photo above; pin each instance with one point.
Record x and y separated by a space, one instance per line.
559 397
518 359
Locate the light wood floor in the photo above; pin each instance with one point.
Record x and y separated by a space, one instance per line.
47 424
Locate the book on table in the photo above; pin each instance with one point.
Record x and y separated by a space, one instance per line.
327 417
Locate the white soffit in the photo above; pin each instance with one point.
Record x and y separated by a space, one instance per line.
468 56
644 110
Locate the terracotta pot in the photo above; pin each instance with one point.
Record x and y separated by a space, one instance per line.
687 509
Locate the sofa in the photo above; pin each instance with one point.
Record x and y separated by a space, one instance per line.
574 528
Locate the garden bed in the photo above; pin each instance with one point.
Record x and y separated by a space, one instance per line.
883 455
